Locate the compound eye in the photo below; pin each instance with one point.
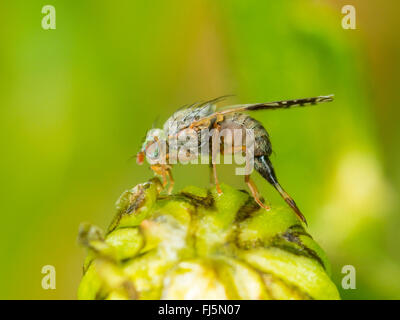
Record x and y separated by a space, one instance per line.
152 150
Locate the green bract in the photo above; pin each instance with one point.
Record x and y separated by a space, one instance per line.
199 244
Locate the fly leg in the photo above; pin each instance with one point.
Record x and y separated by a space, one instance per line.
250 183
254 192
205 123
171 181
264 166
216 178
161 170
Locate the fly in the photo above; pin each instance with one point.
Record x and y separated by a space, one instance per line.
196 118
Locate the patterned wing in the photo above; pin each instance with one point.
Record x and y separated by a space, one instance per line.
283 104
184 117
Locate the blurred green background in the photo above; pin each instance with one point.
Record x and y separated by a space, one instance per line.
75 103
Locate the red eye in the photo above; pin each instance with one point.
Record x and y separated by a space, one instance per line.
140 158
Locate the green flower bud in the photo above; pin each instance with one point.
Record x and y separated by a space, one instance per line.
199 244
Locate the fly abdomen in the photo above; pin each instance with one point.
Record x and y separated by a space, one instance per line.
240 121
262 151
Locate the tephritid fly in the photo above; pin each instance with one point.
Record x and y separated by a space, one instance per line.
193 120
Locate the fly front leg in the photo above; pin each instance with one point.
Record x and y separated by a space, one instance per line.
164 177
171 181
163 171
254 191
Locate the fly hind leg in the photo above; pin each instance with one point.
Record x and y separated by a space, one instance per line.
255 193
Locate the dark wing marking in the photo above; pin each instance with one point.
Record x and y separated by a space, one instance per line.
284 104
